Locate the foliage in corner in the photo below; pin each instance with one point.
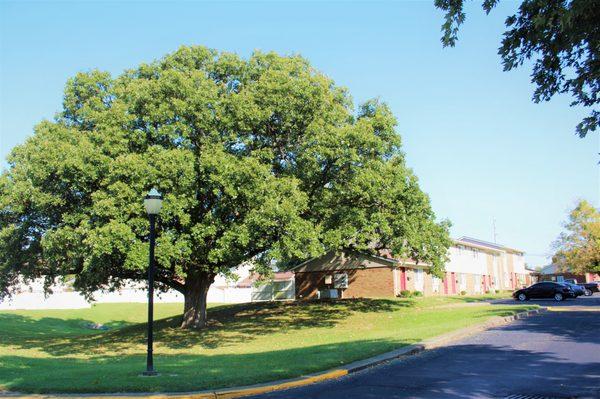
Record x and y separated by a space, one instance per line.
578 248
561 37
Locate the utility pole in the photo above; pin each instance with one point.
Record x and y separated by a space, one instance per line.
494 229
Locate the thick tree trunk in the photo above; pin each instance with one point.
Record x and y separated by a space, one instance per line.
195 291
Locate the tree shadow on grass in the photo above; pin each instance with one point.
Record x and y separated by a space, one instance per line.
229 325
458 371
474 299
120 373
17 329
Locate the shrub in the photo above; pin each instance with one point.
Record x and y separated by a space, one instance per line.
405 294
417 293
497 291
463 293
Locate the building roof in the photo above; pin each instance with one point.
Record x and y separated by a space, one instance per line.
552 268
346 260
384 258
351 260
477 243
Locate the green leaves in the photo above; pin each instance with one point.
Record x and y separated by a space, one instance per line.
578 248
259 160
560 38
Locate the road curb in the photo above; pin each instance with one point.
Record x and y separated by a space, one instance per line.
572 309
238 392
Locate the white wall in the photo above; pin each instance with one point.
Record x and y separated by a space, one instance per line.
471 260
61 300
466 261
242 272
31 295
229 295
519 264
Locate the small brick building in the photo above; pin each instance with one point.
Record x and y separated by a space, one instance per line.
352 275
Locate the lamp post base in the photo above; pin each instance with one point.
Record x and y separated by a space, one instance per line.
149 373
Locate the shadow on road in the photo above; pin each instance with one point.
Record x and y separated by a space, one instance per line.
554 355
463 371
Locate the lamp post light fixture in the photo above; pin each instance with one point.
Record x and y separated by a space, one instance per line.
153 204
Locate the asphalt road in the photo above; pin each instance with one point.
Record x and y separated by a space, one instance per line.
552 355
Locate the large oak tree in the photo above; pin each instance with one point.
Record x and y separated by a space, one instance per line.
260 159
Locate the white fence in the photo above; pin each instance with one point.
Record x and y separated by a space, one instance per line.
32 296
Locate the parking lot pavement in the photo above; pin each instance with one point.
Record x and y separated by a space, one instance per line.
552 355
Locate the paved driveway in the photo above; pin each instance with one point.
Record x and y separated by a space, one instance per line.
552 355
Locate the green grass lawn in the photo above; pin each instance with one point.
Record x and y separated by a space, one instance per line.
56 351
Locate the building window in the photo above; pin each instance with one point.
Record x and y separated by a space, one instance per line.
328 279
340 280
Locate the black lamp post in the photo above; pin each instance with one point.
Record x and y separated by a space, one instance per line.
153 204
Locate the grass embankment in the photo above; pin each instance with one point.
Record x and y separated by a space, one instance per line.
56 351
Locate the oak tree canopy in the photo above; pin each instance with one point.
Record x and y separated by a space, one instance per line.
261 159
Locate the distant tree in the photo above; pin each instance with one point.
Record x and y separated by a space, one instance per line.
578 248
260 160
562 37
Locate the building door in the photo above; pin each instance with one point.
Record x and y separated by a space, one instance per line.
453 282
402 278
419 280
446 284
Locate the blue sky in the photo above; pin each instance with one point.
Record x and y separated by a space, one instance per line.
481 148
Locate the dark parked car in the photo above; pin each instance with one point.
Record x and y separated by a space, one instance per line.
578 290
589 288
545 289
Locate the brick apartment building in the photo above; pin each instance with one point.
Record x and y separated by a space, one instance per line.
473 266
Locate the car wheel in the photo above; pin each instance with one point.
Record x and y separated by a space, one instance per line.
588 292
558 297
522 297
